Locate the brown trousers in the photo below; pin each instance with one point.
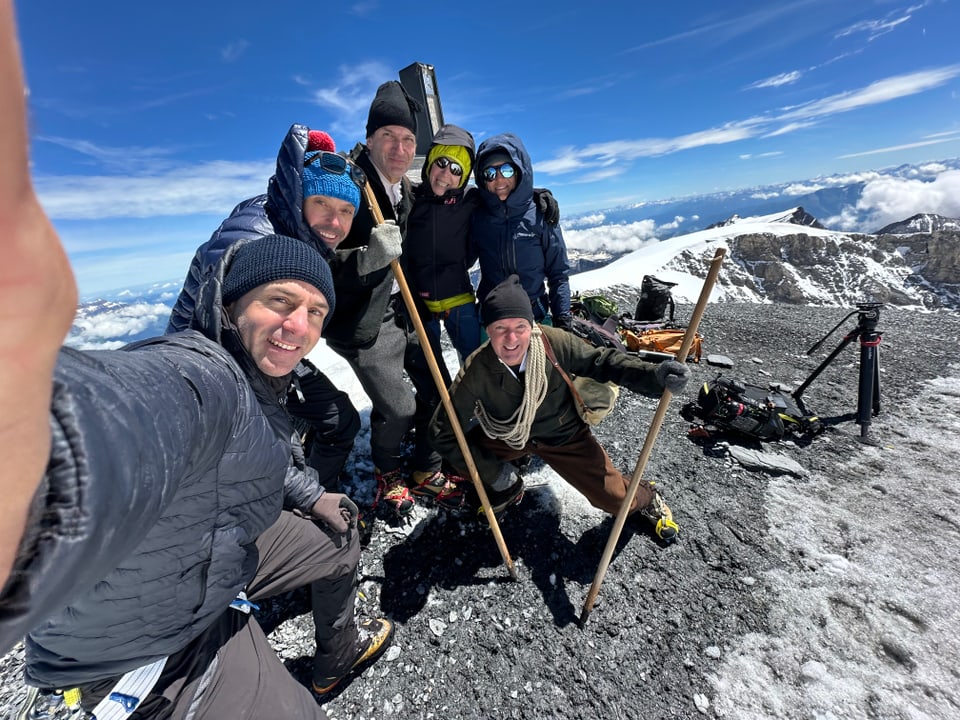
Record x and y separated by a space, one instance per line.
582 462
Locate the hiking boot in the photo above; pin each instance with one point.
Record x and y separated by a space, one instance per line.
501 500
443 488
659 515
392 488
375 637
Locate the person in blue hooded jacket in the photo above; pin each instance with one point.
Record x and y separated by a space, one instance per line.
511 235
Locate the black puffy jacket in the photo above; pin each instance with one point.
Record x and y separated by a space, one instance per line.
437 252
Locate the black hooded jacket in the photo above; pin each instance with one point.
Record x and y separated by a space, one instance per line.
437 252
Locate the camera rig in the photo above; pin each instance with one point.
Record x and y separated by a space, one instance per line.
868 390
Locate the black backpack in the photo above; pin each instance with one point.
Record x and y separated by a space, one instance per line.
602 335
655 298
749 410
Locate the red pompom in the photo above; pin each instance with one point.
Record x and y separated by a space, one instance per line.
319 140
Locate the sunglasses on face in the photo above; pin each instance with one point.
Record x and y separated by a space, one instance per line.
446 163
506 172
338 165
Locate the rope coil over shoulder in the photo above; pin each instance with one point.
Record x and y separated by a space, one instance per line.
515 430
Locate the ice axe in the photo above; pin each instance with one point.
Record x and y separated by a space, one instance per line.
442 388
658 416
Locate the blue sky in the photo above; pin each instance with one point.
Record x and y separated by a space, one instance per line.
150 121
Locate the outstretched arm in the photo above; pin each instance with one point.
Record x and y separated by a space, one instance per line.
38 298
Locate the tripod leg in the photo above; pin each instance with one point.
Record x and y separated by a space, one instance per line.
868 397
822 366
876 378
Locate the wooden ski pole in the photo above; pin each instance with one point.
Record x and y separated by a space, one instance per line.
658 416
442 388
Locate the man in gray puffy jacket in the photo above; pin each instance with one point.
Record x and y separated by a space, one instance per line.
154 494
177 452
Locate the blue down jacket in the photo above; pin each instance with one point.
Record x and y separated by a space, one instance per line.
169 457
512 237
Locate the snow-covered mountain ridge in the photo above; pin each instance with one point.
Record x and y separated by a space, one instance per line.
784 257
773 259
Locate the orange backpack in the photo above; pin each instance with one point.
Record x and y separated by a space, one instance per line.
665 340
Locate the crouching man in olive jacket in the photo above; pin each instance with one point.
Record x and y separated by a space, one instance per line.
513 402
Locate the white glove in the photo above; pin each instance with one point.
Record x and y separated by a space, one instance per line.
384 246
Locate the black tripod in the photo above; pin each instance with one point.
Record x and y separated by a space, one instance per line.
868 393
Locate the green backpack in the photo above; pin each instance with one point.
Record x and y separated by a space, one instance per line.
593 307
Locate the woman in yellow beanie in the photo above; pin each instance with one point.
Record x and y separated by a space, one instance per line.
437 257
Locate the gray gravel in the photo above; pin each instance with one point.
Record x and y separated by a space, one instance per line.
671 622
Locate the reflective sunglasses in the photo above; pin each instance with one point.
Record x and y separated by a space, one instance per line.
506 172
444 162
338 164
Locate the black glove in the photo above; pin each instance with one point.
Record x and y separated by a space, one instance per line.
336 510
564 322
547 205
673 375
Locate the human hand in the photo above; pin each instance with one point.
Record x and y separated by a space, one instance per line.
673 375
385 245
34 268
336 510
547 204
564 322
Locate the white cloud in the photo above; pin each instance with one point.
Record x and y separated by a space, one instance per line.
894 148
122 322
786 78
847 220
234 50
801 189
875 93
875 28
616 238
789 119
585 221
889 199
204 188
678 220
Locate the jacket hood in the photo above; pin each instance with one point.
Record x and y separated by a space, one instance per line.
510 144
450 135
285 190
210 318
208 313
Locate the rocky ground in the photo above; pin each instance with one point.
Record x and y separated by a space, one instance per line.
756 612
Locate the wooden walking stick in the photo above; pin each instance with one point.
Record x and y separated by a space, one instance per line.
442 388
658 416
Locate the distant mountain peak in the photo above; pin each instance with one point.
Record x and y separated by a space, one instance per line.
921 223
794 216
